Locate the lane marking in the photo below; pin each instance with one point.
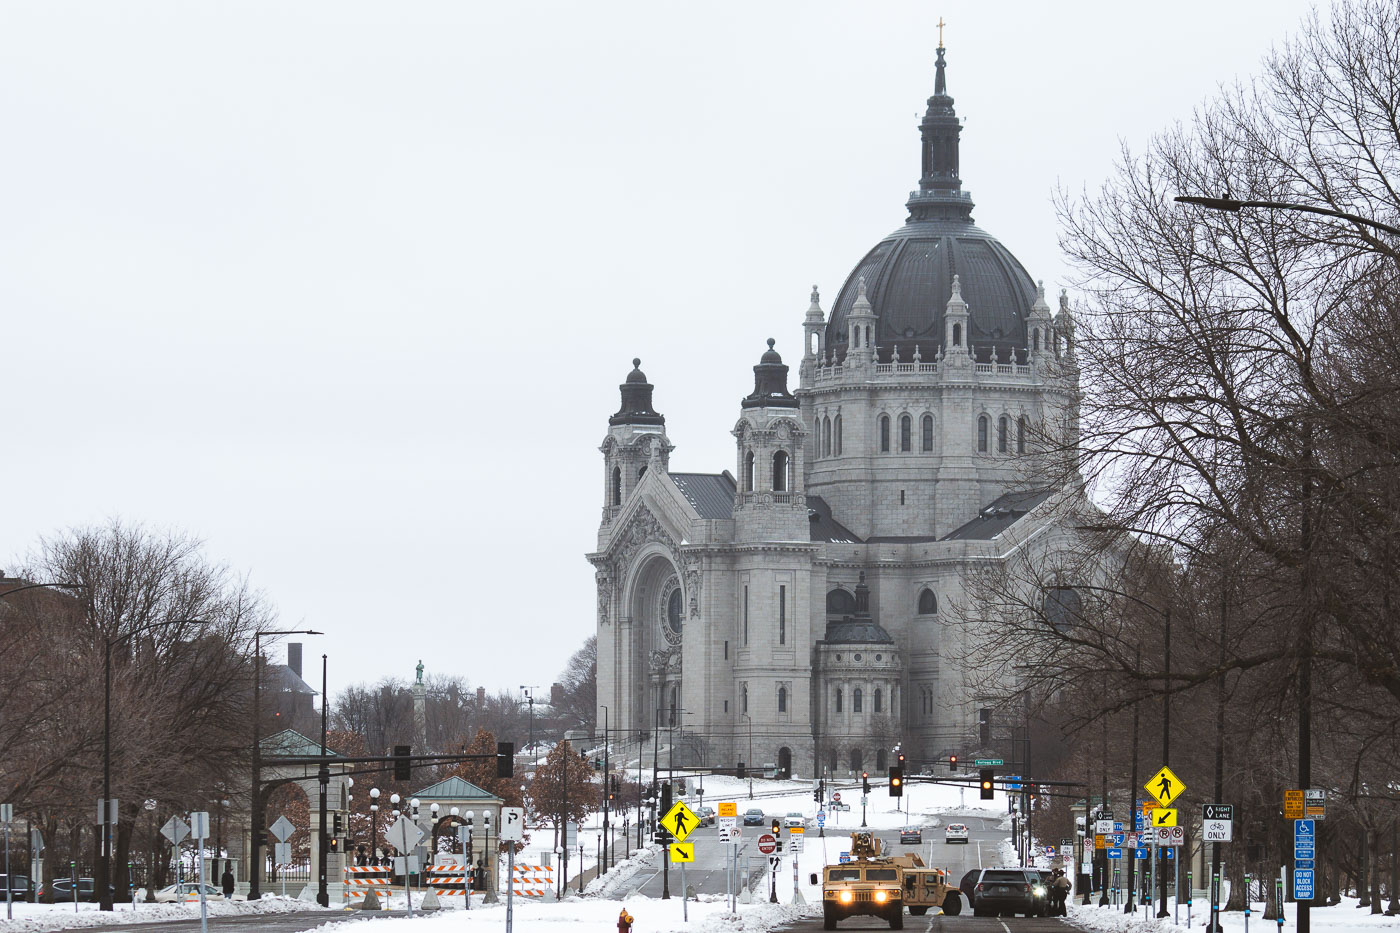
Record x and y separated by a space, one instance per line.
1004 926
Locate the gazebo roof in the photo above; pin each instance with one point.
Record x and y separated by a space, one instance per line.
454 788
291 743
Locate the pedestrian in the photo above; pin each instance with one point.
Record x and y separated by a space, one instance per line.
624 922
1059 893
228 881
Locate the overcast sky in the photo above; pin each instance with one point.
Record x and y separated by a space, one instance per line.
347 289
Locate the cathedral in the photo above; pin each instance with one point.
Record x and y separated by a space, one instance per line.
796 611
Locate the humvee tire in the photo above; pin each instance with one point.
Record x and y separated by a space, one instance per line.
952 904
897 919
828 917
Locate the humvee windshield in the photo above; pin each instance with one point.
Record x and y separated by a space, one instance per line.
845 874
881 874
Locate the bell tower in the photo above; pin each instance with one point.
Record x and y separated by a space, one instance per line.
771 503
636 442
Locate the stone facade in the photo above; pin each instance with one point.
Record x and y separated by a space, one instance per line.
795 611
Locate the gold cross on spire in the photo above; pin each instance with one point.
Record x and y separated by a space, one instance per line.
940 32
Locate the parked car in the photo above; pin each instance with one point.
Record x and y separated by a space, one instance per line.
61 889
753 817
968 884
707 816
1004 891
955 832
187 891
18 885
795 819
911 836
1040 887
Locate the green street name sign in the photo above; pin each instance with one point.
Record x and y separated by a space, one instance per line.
988 762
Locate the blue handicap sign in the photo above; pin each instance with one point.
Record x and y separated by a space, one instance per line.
1114 853
1304 850
1303 883
1140 852
1304 829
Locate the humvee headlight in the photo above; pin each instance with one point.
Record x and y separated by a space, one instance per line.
845 897
880 897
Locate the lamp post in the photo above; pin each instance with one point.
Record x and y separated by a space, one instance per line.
374 826
530 696
1232 205
255 828
750 762
104 865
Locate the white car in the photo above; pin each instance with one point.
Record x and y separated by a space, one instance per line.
955 832
187 891
795 819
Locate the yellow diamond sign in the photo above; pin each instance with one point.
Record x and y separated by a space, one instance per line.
680 821
1163 817
683 852
1165 786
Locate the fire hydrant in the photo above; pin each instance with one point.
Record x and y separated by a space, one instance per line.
624 922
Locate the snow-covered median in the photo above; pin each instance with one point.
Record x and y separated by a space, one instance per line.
38 918
1344 916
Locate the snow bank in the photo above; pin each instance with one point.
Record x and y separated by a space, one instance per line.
1344 916
37 918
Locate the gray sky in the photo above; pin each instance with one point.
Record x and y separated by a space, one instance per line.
347 289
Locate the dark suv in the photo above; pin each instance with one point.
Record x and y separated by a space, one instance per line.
1004 891
61 889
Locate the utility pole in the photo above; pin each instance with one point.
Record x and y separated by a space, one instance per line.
1166 755
324 774
1129 906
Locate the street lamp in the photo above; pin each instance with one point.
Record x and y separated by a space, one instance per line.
255 829
530 695
104 866
1305 661
750 762
374 826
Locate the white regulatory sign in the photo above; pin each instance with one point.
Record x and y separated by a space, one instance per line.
512 824
1218 830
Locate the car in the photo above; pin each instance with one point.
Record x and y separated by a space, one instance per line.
968 884
1040 887
706 815
795 819
753 817
955 832
61 889
187 891
1004 892
18 885
911 836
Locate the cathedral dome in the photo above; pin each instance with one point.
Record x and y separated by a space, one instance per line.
909 274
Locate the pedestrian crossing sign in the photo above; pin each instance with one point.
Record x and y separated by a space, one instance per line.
680 821
1163 817
1165 786
683 852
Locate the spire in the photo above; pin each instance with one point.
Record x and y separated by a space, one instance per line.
940 194
814 310
636 400
770 382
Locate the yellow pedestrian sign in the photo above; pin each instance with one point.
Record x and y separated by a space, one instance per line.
1163 817
680 821
1165 786
683 852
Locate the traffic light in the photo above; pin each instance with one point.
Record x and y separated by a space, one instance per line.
865 782
403 768
337 825
739 771
952 762
901 759
985 777
897 781
335 845
665 797
505 759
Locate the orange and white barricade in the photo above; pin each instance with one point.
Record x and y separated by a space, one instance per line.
532 881
360 879
449 879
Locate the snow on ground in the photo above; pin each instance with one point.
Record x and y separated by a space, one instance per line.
591 915
1342 917
35 918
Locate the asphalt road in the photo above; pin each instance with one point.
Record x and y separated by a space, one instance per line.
937 923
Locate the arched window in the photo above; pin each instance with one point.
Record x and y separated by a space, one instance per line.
748 472
927 431
867 335
826 437
838 700
1021 434
782 699
641 472
744 700
1002 430
884 434
906 425
1062 607
857 760
855 337
780 471
674 704
879 697
880 760
840 602
982 429
1035 335
836 441
957 335
928 603
855 700
617 486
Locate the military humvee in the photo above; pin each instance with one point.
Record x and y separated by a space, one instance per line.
873 885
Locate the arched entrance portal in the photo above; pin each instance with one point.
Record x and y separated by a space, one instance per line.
658 610
785 762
